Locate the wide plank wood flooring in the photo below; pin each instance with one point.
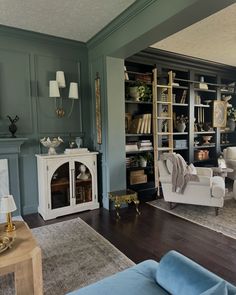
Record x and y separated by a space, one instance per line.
154 232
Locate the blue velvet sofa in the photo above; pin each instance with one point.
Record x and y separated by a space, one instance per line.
175 274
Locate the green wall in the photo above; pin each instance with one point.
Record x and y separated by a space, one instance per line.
27 62
142 24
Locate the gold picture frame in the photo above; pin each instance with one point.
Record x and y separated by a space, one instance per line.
219 113
98 109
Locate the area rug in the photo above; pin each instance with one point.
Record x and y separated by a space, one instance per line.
224 223
74 255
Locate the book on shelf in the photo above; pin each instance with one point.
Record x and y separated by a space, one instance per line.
183 97
141 124
146 148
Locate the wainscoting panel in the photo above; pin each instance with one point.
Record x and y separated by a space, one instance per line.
15 92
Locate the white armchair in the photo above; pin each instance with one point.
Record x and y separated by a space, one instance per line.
230 160
208 191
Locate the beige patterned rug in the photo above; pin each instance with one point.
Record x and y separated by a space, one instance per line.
74 255
224 223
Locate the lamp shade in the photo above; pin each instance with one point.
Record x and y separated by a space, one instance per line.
60 77
73 91
7 204
53 89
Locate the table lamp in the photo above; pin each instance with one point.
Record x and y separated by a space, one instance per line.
7 205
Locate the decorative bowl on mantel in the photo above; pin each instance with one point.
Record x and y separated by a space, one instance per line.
51 144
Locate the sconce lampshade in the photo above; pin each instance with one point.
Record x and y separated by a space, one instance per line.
73 91
53 89
60 77
7 204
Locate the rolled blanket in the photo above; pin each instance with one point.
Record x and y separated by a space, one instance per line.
181 173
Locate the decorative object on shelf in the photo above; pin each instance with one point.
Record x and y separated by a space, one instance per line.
98 109
229 88
197 99
54 92
207 139
78 141
231 118
126 74
221 162
51 144
207 101
202 84
207 126
227 99
83 175
139 91
143 161
7 205
201 155
219 113
181 123
13 127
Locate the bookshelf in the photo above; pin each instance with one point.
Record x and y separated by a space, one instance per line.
195 87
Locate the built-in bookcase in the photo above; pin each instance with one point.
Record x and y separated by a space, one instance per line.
195 86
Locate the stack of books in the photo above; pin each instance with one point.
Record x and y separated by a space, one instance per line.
137 177
145 145
141 124
131 146
131 162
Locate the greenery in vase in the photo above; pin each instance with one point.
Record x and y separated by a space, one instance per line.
232 114
144 91
181 119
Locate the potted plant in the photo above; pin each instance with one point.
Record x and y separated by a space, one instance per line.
231 114
181 122
139 91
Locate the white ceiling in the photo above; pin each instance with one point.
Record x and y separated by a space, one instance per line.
213 38
72 19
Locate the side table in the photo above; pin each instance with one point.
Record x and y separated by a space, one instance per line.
24 259
221 171
124 197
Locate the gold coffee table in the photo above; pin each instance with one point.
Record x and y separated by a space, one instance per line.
126 196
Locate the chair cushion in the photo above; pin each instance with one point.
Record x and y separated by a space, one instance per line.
179 275
218 187
231 153
218 289
136 280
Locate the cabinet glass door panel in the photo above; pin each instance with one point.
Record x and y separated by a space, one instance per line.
83 183
60 187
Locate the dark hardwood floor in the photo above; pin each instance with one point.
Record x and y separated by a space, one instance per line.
154 232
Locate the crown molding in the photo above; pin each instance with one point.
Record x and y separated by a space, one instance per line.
118 22
26 34
153 56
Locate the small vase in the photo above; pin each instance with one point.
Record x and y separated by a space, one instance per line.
78 141
134 93
13 129
231 124
180 126
143 162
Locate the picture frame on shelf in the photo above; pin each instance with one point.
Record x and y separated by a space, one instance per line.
98 109
219 114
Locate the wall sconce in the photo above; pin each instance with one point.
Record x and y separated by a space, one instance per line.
7 205
54 91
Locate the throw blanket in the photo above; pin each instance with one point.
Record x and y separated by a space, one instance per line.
181 172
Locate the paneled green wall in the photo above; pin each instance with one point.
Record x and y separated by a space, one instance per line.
27 62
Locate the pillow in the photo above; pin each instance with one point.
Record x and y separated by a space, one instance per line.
218 289
231 153
191 169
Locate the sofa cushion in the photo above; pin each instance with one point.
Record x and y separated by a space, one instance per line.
137 280
179 275
218 289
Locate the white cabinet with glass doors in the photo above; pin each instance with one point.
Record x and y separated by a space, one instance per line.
67 184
